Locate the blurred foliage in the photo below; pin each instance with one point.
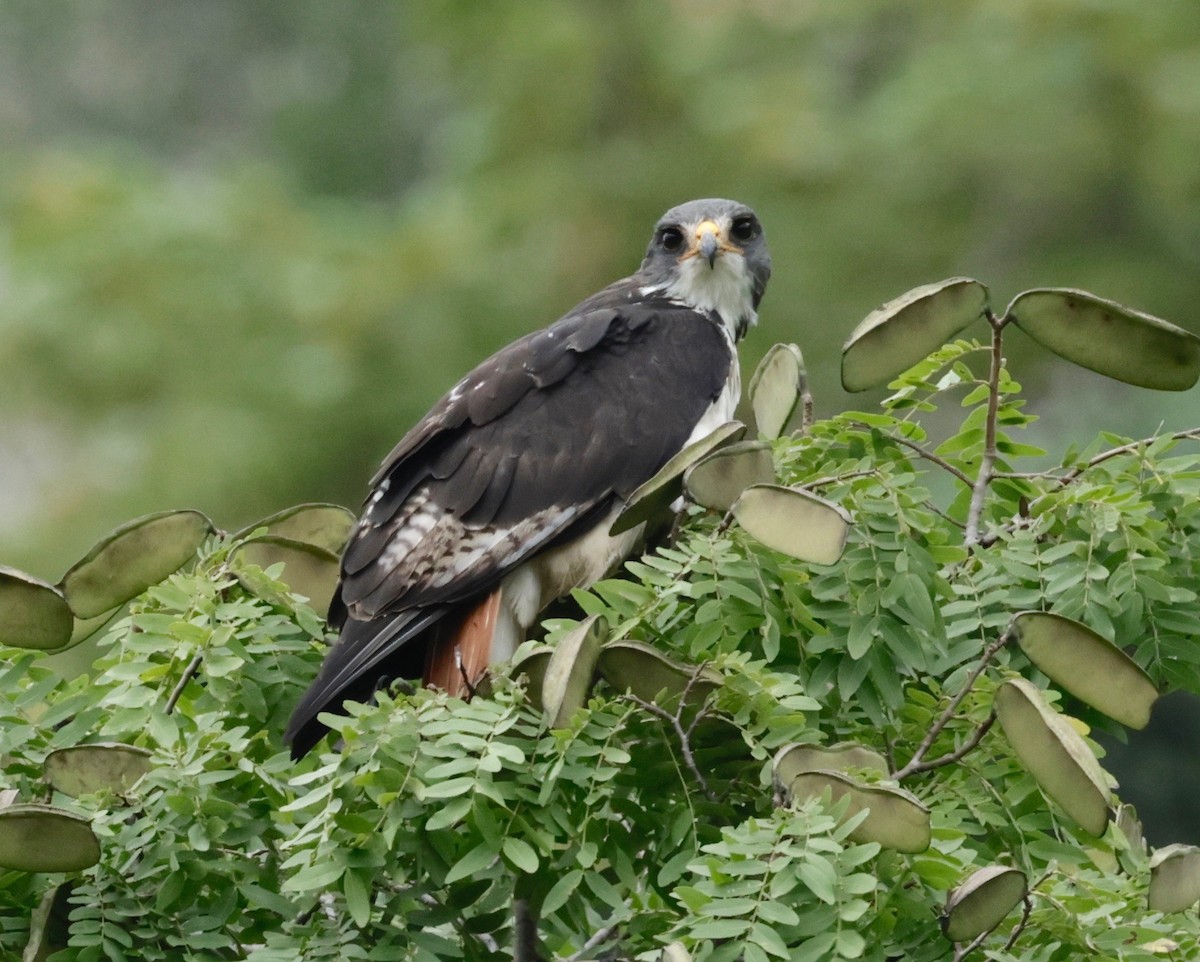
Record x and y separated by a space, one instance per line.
262 238
244 246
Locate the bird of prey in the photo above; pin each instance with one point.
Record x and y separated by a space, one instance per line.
500 499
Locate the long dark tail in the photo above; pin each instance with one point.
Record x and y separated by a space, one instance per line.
366 655
449 646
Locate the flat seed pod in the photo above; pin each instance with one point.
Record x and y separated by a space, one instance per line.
897 820
675 952
894 337
533 667
793 759
1109 338
1088 666
327 526
1174 878
1131 827
104 766
571 668
33 614
85 628
652 676
1054 753
49 924
794 522
719 479
308 570
982 901
776 390
43 838
656 495
129 560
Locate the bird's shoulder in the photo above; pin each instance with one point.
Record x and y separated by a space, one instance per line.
604 325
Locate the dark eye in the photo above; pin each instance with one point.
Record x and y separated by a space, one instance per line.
743 229
671 238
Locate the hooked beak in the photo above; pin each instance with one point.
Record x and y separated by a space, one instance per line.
708 241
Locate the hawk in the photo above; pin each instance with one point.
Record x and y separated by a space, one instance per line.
500 499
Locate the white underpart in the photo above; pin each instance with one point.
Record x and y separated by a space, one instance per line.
552 574
726 289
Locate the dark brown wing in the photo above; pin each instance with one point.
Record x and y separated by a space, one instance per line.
530 448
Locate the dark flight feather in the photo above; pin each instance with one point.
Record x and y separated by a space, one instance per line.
533 446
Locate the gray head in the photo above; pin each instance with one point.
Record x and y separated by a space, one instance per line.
712 256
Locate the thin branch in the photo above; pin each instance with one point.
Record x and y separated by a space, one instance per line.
188 674
1191 434
1020 926
917 763
962 951
932 458
598 938
684 734
835 478
987 463
951 757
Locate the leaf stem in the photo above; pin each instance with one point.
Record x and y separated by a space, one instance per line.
189 673
987 463
917 763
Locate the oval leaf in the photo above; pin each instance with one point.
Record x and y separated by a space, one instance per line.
793 759
1109 338
327 526
894 337
104 766
897 819
1054 753
533 666
982 901
777 389
129 560
43 838
1174 878
1088 666
571 668
655 496
718 480
308 570
33 614
793 521
653 677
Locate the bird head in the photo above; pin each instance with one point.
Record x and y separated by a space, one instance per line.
710 255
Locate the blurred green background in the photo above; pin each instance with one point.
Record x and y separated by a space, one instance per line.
243 246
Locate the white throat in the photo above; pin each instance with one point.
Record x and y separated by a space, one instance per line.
726 289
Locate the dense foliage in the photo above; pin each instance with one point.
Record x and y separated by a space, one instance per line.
441 829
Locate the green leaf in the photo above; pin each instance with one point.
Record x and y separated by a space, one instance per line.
357 889
560 891
476 860
521 854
